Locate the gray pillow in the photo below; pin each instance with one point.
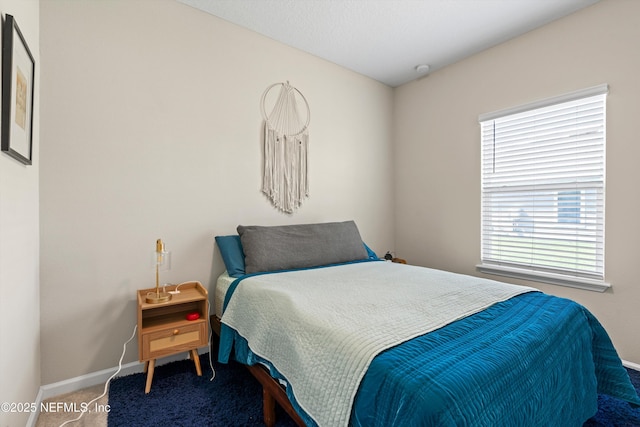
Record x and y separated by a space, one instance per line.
288 247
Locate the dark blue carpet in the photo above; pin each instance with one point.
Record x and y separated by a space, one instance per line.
614 412
179 397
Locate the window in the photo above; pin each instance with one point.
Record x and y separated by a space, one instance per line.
543 176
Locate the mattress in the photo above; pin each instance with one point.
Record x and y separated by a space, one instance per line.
222 285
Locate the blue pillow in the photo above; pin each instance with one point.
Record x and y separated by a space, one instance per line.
232 254
370 253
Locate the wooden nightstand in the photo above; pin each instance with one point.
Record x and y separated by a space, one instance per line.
163 329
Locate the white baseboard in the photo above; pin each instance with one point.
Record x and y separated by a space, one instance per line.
94 378
631 365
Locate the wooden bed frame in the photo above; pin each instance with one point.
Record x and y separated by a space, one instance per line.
272 390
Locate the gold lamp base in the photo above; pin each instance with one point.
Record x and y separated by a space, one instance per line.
163 258
156 298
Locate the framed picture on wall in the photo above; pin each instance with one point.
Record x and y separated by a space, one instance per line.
18 74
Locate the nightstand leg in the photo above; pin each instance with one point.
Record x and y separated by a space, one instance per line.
196 361
146 366
151 366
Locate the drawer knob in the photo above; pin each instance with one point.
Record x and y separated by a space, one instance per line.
176 331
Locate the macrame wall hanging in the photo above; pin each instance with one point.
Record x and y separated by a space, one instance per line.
285 179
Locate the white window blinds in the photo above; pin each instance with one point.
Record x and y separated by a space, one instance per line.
543 176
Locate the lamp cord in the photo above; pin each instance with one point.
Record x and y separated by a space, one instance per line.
213 371
106 384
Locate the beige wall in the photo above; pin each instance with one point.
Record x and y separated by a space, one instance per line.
437 148
151 129
19 247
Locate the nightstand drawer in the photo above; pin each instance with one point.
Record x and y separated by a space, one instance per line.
172 340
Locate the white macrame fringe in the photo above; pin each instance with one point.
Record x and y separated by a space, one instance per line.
286 147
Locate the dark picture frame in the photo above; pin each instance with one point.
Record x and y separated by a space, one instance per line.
18 77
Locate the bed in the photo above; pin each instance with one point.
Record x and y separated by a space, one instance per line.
338 337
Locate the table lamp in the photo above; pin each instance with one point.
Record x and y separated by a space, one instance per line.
162 261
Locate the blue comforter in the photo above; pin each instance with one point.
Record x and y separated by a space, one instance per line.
534 360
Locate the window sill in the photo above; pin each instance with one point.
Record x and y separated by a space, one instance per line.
554 279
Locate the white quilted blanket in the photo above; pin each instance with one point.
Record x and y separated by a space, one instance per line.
322 327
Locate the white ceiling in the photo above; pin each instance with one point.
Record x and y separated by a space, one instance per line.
387 39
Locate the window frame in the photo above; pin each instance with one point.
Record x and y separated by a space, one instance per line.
568 210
